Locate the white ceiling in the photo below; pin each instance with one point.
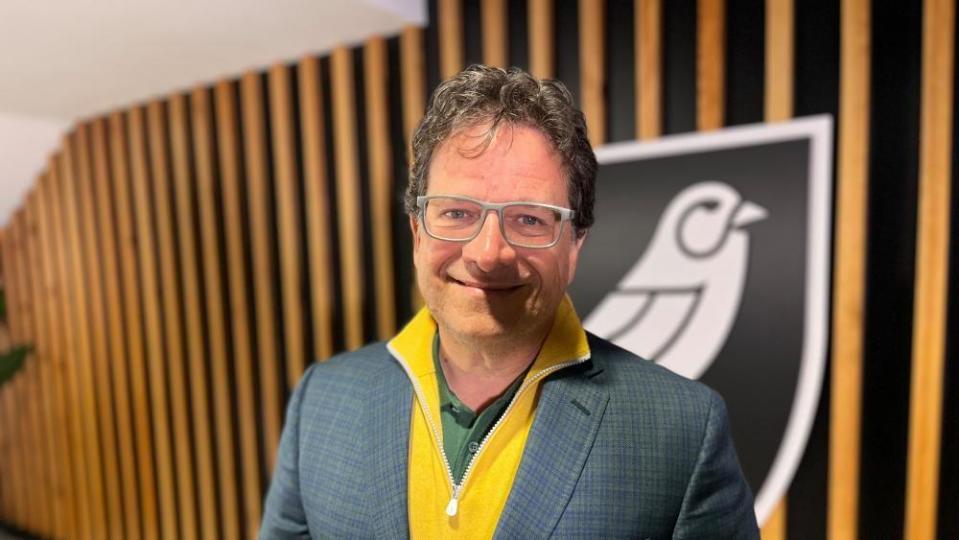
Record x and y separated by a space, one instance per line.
76 58
65 60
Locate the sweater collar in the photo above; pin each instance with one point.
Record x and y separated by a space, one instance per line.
566 341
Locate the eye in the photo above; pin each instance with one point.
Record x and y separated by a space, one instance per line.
456 213
530 221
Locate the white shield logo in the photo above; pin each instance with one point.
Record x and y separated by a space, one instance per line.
710 256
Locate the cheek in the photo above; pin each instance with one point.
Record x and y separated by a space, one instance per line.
433 256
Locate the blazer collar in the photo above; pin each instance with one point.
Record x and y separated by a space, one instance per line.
568 416
389 433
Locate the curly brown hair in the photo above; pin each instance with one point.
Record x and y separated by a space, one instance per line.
486 95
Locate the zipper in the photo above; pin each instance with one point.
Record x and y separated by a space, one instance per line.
456 490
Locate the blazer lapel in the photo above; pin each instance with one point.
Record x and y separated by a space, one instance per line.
568 416
392 401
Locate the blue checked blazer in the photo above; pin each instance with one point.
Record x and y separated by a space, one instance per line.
620 448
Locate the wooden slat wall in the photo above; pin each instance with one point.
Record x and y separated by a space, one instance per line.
196 354
317 206
649 68
932 269
89 491
286 178
710 63
161 264
264 277
156 349
132 309
83 193
243 358
592 62
381 183
117 357
210 233
172 319
849 272
66 473
41 339
348 201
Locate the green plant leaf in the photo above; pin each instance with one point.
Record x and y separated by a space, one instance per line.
12 360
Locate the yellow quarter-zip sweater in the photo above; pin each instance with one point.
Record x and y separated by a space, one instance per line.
437 507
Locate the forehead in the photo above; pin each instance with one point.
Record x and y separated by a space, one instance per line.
518 164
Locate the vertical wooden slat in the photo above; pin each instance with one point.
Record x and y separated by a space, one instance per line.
83 195
413 79
203 152
542 59
10 489
153 322
13 320
649 68
849 273
381 183
29 311
117 358
73 522
414 101
779 100
13 469
67 359
7 494
710 64
132 308
285 179
495 40
172 322
17 471
317 206
261 219
21 454
243 369
52 468
780 59
11 485
775 526
101 503
21 313
592 66
932 269
450 15
33 400
22 458
18 484
348 196
196 356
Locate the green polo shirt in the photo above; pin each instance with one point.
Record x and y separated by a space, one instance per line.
464 429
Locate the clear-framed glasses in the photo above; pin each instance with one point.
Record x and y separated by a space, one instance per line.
522 224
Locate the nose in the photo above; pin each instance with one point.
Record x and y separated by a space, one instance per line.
489 250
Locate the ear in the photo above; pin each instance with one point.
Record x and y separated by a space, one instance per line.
415 229
574 255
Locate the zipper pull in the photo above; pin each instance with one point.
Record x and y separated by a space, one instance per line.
453 506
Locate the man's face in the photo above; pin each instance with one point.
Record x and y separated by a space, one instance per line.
486 288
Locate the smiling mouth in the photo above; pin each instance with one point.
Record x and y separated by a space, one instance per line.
487 287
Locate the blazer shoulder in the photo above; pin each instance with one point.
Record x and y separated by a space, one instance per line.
646 383
344 374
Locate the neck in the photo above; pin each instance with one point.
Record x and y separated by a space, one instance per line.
479 372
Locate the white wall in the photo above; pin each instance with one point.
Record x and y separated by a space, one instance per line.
25 146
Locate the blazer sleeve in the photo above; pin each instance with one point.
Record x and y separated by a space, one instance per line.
718 502
283 514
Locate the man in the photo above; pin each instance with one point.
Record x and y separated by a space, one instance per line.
493 413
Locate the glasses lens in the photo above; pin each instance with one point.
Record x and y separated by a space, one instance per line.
531 225
451 218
